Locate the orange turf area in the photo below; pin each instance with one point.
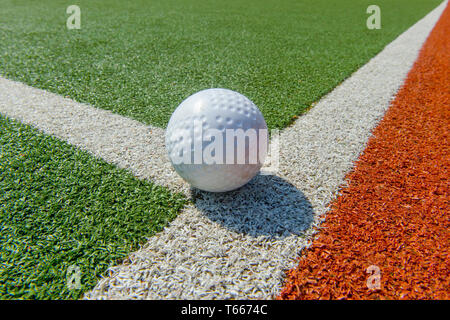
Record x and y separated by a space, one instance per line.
394 213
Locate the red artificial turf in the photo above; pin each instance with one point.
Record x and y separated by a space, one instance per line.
394 213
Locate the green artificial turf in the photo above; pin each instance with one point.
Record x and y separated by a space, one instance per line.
61 207
142 58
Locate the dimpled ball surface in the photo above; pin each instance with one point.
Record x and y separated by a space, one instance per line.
219 109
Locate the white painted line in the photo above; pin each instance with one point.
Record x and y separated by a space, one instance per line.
116 139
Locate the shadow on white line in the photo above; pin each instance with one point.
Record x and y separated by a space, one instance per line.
267 206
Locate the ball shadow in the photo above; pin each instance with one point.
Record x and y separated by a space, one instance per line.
266 206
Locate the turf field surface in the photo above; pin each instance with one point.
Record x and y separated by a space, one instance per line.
206 227
60 207
238 245
142 58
